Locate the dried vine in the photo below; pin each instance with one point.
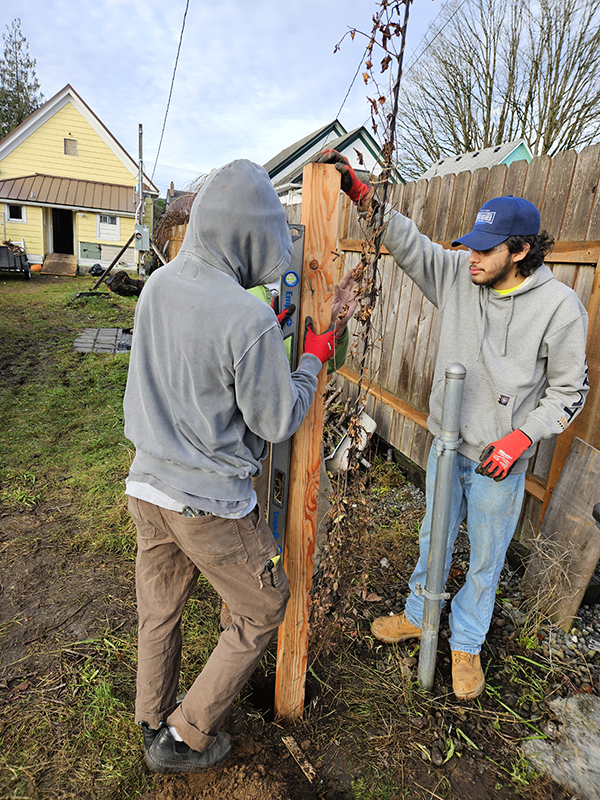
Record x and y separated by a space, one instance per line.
387 39
384 59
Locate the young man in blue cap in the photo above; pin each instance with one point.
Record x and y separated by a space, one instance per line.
521 336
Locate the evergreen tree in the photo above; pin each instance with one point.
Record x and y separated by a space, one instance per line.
19 86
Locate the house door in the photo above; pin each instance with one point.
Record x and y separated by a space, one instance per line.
62 232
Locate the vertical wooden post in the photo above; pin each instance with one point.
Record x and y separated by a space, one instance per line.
320 204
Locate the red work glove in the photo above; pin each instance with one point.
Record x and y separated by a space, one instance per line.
321 345
499 457
354 188
287 312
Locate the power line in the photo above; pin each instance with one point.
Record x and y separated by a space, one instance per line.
337 116
187 5
414 59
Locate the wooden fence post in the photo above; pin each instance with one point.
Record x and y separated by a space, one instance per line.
320 204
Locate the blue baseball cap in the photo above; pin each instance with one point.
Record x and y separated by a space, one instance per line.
500 218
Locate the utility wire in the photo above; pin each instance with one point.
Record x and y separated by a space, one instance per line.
414 58
187 5
337 116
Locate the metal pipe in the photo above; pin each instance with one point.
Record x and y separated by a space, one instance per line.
447 443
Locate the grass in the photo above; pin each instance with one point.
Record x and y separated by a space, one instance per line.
63 452
69 731
62 410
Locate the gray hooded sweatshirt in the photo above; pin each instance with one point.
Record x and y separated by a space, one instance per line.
524 352
209 380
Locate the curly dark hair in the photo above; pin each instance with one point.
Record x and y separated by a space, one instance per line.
539 246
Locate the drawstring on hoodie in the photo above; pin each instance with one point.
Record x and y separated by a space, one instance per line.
484 301
508 321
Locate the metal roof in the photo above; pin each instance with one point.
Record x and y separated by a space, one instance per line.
487 157
49 108
51 190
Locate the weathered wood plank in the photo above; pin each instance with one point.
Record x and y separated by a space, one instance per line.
475 197
535 180
495 182
556 196
418 203
443 208
390 400
393 289
431 207
565 273
514 182
456 218
581 196
320 203
406 201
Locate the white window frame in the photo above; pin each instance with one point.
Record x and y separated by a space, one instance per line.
104 228
22 221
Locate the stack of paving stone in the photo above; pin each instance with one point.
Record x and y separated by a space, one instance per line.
103 340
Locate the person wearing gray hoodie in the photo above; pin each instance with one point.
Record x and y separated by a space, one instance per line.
209 385
521 335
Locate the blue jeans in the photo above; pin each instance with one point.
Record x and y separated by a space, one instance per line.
493 510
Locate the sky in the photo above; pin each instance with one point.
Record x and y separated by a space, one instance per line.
253 76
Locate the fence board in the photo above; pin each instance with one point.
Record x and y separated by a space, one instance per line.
457 208
475 197
535 180
495 182
443 208
581 196
430 211
515 178
557 192
394 283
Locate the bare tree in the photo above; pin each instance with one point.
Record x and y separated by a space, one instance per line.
19 85
494 71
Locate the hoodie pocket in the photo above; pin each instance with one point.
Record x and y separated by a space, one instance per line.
487 411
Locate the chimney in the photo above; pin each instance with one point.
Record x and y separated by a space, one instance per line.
172 189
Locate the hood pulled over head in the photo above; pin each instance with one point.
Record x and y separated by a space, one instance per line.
238 225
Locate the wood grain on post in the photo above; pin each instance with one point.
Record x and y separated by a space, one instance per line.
320 204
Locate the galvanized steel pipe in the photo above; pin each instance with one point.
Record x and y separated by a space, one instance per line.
447 443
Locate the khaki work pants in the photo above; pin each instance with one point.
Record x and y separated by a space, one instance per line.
233 555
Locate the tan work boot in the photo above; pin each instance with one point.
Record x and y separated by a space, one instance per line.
468 680
394 629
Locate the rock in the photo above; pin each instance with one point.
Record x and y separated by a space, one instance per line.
436 757
573 757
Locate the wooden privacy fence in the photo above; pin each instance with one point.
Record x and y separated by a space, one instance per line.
400 365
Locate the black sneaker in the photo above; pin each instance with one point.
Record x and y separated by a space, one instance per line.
149 734
167 755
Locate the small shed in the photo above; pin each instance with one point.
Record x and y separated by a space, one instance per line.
488 157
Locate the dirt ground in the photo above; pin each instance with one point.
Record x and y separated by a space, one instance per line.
67 596
365 716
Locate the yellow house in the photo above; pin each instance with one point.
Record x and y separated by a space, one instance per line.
67 187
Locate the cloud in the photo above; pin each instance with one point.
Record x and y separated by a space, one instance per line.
252 78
